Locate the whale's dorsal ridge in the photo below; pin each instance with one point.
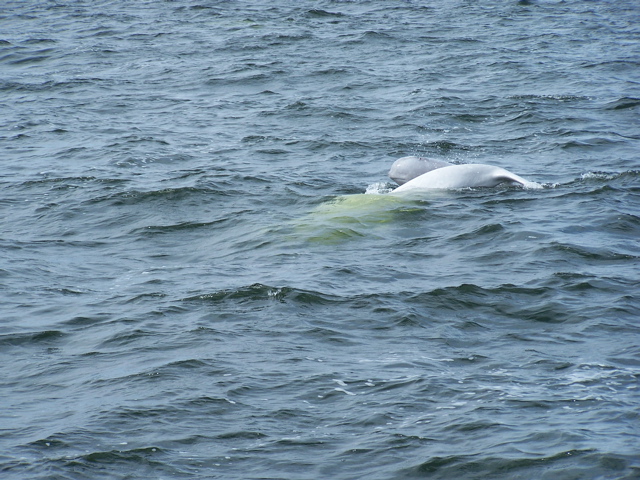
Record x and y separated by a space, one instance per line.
463 176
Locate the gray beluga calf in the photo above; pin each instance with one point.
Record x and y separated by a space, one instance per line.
407 168
463 176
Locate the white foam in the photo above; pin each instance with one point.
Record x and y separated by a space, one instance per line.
598 176
378 188
532 185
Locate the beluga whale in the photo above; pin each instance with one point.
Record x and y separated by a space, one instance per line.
408 168
416 173
349 217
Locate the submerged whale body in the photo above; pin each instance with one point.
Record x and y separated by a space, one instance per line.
407 168
463 176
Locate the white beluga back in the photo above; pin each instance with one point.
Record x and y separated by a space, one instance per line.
463 176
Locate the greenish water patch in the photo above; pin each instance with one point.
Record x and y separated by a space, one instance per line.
349 217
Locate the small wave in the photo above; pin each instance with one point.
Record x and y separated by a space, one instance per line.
599 176
625 180
126 337
590 143
528 304
29 60
581 463
623 103
603 178
260 292
591 253
118 458
178 227
489 229
54 181
319 13
133 197
549 98
29 338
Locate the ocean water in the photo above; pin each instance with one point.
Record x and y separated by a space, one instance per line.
202 275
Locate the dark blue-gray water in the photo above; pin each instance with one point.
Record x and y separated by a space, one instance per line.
194 284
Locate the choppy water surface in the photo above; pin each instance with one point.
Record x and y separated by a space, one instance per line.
196 285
